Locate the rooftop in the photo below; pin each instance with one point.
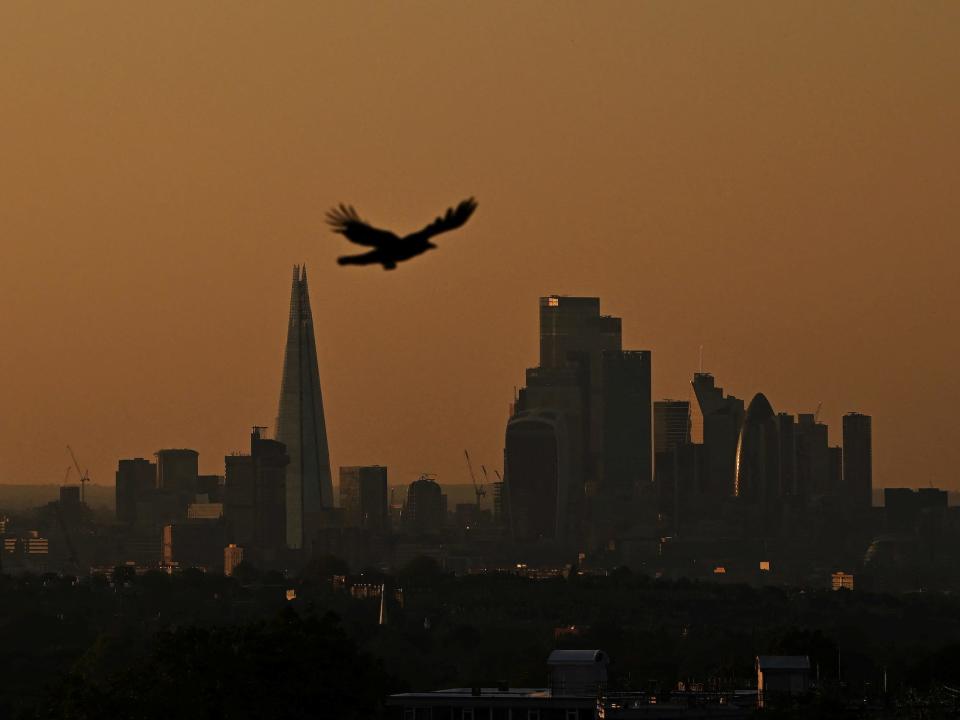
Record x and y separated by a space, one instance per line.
783 662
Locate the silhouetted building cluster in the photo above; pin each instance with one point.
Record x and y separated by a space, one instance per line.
577 455
596 474
709 486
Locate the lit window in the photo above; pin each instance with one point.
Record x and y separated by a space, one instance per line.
552 302
764 566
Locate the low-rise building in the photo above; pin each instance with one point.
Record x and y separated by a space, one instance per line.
782 675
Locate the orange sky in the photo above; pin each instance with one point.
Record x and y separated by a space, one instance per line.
775 181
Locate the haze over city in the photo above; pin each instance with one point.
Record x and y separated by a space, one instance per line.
772 182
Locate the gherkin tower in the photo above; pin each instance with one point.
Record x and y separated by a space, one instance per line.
300 422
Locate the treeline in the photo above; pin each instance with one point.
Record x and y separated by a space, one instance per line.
261 645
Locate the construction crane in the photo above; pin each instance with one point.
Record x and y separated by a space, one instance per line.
84 474
486 478
477 487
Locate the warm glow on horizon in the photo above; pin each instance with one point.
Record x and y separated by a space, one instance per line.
772 182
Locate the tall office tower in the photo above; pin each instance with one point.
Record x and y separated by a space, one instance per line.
255 499
716 422
363 498
758 453
239 499
858 460
300 422
177 472
599 396
135 479
270 462
813 456
424 512
574 335
671 424
627 457
758 465
835 469
788 453
674 471
537 476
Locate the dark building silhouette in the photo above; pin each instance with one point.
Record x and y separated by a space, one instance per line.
905 509
600 398
255 500
675 471
716 422
363 498
812 456
835 469
671 425
135 480
758 462
301 426
194 543
211 486
538 476
424 511
574 335
177 473
70 496
786 432
627 460
858 460
239 499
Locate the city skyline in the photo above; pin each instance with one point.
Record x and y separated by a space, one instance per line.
151 216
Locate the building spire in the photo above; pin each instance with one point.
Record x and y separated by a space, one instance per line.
301 424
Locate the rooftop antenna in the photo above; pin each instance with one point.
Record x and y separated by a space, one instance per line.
701 359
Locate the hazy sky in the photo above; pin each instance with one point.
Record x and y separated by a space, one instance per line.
775 181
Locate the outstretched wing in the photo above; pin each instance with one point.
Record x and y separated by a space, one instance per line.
344 220
454 218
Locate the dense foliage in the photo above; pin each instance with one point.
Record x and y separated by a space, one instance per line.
194 645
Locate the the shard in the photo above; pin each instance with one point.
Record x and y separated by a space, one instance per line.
300 422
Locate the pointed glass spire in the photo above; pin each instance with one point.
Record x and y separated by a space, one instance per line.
300 421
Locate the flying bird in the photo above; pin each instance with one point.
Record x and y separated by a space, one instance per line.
389 249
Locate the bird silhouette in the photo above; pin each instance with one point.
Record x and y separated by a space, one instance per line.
389 249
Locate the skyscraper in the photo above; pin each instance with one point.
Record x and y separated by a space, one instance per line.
671 424
757 481
674 461
627 458
363 497
136 479
599 397
716 422
786 431
813 456
424 513
300 422
177 473
758 454
858 460
537 476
